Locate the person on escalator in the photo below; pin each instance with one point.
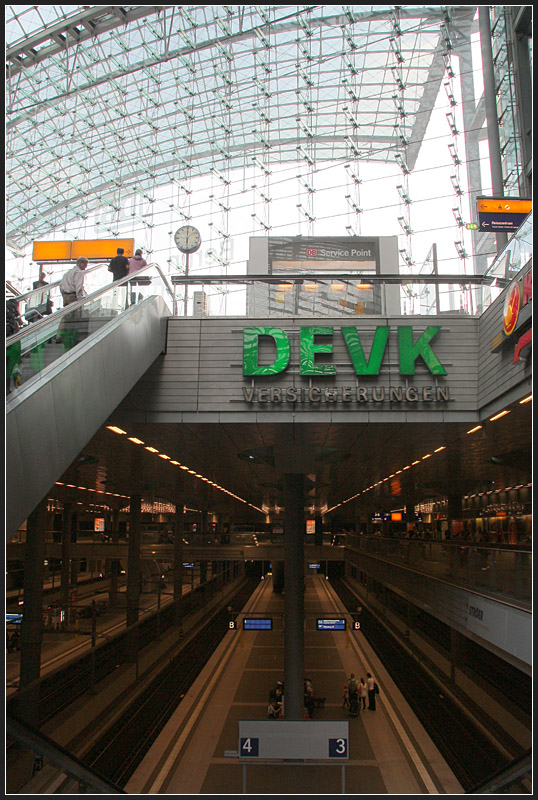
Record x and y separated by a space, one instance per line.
136 263
72 283
119 265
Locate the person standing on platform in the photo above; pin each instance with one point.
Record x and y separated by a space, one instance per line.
362 693
353 689
370 683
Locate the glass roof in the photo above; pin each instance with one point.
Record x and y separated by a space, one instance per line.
107 103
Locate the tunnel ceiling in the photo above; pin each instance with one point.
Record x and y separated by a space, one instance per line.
108 102
350 468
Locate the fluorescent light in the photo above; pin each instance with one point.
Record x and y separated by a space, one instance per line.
115 430
135 440
473 430
525 399
500 414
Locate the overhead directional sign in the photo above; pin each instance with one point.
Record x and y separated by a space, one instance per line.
257 624
502 214
331 624
89 248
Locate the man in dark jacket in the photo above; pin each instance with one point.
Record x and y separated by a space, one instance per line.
119 265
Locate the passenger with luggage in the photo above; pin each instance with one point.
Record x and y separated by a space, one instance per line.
346 697
273 709
353 689
362 693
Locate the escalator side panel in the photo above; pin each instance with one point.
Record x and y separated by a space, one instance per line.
50 421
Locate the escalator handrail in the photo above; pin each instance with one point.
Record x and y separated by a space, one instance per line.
512 772
62 312
49 286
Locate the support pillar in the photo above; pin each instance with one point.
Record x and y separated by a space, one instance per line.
66 562
133 577
32 621
294 597
114 563
179 525
454 510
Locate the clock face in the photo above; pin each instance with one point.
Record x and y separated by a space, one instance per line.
187 239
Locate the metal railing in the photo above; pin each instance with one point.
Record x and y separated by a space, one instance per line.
40 343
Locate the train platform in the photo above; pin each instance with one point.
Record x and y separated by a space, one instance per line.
197 752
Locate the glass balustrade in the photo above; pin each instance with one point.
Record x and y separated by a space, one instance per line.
503 570
41 342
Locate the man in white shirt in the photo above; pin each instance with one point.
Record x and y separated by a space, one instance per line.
72 283
370 683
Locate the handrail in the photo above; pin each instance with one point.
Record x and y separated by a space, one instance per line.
505 776
47 288
62 312
289 277
36 741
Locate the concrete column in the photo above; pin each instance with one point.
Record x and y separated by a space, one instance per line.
66 561
32 621
454 510
114 563
133 576
294 597
318 532
179 524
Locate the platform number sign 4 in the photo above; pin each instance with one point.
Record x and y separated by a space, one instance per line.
337 748
249 747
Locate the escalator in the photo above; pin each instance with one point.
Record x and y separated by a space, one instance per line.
72 368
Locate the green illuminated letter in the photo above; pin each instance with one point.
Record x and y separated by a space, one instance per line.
354 346
250 351
309 350
409 352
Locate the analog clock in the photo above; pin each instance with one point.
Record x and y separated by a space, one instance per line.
187 239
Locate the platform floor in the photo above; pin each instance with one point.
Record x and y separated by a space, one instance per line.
389 751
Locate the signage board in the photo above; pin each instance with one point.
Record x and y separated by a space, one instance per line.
294 739
89 248
14 619
327 254
331 624
257 624
502 214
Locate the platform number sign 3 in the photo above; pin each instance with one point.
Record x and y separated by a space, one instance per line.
337 748
249 747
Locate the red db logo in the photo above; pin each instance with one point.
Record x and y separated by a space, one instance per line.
311 251
511 309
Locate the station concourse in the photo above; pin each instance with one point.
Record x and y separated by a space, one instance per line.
293 442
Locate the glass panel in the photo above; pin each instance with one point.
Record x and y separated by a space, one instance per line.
38 344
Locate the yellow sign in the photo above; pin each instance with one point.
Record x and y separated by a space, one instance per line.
51 251
101 248
504 205
89 248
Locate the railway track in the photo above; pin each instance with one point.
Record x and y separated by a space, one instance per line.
118 752
468 751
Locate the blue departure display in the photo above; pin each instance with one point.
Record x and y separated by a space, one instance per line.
331 624
253 624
